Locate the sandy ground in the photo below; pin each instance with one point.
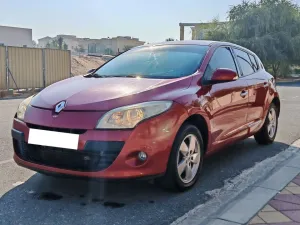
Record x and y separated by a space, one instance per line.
82 64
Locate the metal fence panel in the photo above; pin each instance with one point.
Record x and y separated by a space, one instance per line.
26 67
2 68
57 65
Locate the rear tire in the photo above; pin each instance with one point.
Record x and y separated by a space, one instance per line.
266 135
185 161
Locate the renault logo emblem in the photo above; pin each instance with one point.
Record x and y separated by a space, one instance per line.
60 106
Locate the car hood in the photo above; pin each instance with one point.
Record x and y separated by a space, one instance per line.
84 94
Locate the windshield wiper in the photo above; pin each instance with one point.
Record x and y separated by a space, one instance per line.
94 75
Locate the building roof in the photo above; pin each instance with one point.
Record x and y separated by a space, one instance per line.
45 38
16 27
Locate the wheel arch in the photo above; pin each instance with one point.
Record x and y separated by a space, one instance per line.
200 122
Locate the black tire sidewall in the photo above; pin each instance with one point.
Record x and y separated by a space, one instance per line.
185 130
267 122
262 136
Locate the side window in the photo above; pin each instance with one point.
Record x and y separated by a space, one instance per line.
222 58
253 62
260 63
244 61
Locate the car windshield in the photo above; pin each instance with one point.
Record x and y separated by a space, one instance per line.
163 61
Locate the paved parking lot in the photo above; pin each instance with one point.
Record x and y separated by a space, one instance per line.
30 198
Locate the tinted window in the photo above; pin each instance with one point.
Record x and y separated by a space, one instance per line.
222 58
260 63
165 61
253 62
244 61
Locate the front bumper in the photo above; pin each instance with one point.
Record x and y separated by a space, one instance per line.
106 154
96 155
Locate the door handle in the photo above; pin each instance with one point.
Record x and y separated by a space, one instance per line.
244 93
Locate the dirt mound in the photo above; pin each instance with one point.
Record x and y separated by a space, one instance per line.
81 64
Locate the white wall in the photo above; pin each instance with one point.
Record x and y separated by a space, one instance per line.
14 36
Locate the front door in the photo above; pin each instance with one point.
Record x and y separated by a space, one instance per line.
228 104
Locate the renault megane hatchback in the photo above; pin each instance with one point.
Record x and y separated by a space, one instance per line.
154 111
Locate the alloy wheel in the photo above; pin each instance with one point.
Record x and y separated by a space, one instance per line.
272 122
188 158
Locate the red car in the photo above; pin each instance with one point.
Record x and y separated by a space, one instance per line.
154 111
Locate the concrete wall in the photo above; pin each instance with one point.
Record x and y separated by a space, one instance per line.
119 43
14 36
44 41
116 44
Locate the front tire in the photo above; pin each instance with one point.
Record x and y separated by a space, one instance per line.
266 135
185 161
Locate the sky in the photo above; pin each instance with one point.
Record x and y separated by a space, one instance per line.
150 21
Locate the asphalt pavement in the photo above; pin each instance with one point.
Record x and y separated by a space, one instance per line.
30 198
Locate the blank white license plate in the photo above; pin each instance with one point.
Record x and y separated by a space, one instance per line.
53 139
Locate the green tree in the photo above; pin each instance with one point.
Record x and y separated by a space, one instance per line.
170 39
57 44
65 46
60 42
34 44
271 28
54 44
79 49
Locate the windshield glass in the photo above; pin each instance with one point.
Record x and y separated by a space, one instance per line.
165 61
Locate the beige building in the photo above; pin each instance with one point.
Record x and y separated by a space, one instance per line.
103 46
113 46
16 36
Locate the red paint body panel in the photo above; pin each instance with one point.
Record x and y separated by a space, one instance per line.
229 116
103 94
155 137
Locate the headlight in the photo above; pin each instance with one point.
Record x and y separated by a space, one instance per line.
129 116
22 108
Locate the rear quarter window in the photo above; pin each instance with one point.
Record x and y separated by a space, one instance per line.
253 61
261 65
244 62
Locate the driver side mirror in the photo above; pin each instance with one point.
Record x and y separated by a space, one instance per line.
91 71
223 75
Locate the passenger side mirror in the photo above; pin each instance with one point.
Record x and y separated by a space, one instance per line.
223 75
91 71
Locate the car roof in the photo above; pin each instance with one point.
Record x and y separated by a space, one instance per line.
190 42
200 42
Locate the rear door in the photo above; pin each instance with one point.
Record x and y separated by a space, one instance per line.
258 86
228 101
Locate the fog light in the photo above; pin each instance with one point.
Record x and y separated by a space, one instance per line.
142 156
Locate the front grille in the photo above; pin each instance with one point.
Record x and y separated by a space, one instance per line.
64 130
84 160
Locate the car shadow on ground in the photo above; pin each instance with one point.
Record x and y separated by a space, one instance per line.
48 200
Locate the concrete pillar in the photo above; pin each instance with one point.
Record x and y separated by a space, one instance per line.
181 32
